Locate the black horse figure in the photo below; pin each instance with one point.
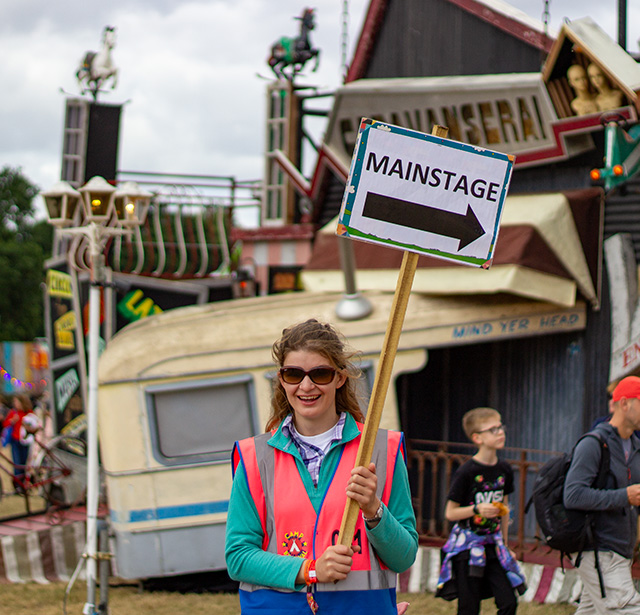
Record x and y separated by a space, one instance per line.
295 52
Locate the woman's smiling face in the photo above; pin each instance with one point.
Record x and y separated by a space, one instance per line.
314 405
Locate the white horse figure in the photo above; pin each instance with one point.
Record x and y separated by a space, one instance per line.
97 67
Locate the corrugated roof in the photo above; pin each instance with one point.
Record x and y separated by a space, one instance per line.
500 14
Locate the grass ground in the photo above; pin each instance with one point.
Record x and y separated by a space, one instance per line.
130 600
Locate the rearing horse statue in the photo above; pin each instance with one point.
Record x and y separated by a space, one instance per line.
97 67
295 52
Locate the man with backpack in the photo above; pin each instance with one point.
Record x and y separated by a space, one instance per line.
608 554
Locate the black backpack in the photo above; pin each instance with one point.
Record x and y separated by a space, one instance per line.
566 530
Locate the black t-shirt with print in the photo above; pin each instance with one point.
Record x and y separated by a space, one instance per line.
474 483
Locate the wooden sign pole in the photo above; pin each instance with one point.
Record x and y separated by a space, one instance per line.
383 375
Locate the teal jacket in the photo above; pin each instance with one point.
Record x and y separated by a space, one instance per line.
395 538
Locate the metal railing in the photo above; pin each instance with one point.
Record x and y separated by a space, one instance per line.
186 234
242 198
431 466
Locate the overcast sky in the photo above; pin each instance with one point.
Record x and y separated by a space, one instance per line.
192 71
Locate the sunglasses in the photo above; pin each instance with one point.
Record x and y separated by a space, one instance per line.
318 375
494 430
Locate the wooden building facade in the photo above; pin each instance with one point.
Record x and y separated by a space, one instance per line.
549 386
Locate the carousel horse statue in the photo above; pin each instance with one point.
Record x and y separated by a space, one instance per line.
295 52
97 67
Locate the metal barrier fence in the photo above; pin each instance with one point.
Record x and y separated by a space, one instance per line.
431 466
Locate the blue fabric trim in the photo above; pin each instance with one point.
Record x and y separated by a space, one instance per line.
236 446
401 446
236 449
272 602
170 512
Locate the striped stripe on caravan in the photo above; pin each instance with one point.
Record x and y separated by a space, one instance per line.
170 512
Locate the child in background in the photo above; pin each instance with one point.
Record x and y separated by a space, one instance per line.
41 424
477 562
31 425
19 450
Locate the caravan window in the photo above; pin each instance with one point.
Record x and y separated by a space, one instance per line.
199 421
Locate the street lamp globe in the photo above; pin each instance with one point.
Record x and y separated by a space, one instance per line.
97 199
61 201
131 204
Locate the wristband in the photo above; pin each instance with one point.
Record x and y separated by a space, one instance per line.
310 576
375 517
475 509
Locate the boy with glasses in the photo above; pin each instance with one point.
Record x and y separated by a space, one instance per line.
477 562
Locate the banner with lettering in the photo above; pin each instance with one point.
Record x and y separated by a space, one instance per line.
67 399
63 319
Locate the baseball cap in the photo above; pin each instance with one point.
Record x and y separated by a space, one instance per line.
628 387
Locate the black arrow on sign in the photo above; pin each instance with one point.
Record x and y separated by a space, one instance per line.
464 227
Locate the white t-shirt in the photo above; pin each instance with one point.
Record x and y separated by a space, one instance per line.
321 440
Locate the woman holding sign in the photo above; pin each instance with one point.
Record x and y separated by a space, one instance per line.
291 484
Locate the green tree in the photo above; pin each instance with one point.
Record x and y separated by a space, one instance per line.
42 234
24 245
16 202
21 299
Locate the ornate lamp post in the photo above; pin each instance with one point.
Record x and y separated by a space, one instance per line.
99 202
61 200
131 204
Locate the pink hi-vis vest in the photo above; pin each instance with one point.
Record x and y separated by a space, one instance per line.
290 524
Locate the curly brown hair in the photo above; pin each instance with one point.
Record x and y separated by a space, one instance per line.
315 336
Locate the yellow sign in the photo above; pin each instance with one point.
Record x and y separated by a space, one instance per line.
63 331
135 306
58 284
